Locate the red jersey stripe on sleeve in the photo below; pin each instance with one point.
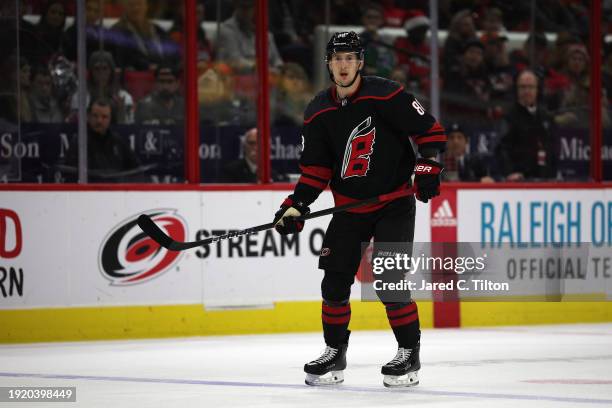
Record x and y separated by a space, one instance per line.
436 128
435 133
304 179
324 173
431 139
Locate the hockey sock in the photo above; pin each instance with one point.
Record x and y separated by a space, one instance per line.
404 320
336 317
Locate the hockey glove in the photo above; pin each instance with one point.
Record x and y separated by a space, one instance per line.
284 219
427 178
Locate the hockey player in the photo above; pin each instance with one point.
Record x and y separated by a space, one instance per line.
356 135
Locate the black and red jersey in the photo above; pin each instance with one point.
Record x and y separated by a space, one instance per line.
361 145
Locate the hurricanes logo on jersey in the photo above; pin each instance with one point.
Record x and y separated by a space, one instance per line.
359 148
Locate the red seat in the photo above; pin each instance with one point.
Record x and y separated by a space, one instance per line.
139 83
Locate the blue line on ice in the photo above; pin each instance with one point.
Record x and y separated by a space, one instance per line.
340 388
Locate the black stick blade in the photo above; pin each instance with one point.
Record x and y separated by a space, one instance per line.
152 230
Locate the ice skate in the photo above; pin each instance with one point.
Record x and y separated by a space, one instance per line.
403 370
328 368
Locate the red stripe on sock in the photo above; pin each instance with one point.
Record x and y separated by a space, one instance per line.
336 320
404 320
336 310
402 311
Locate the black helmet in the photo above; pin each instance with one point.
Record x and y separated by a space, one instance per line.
346 41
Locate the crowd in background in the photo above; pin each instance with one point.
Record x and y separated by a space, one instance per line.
134 68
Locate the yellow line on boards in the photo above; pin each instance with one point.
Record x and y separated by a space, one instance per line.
131 322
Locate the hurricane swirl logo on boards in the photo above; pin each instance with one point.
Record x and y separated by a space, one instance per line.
128 256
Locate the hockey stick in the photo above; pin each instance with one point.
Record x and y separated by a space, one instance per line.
152 230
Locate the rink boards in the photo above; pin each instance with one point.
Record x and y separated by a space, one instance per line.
73 264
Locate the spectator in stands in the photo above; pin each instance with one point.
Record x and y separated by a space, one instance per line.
244 169
399 75
527 149
499 69
108 157
558 84
103 83
558 55
43 104
467 88
575 103
459 165
165 105
413 52
177 33
293 28
236 42
65 83
461 31
219 104
492 23
14 102
139 44
379 54
576 89
534 54
48 33
96 34
293 95
283 22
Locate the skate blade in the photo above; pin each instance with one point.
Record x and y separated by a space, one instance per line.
408 380
331 378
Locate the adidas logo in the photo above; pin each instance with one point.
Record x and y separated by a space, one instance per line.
444 217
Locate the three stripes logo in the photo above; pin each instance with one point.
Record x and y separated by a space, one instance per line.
444 216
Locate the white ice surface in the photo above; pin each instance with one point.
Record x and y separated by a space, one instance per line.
537 366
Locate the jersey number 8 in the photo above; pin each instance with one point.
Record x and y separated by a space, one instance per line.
419 108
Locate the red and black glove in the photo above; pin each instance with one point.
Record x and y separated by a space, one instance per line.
284 219
427 178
